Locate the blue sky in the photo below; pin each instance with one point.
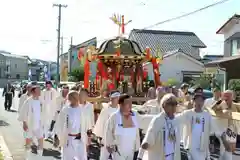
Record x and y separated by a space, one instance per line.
27 23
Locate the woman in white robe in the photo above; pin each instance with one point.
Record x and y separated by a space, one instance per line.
69 130
162 140
100 126
32 116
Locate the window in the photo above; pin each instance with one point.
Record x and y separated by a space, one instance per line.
235 48
18 76
15 65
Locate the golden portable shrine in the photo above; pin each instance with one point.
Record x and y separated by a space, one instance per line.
118 64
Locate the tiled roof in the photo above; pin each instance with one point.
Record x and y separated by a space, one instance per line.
166 40
7 54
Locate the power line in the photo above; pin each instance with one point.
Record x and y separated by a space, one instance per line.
186 14
179 17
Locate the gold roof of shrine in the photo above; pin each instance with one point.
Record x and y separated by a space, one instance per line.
126 47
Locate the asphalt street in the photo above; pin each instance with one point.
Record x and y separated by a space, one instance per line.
11 130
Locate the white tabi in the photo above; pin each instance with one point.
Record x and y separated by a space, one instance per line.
199 127
49 102
160 145
88 121
70 122
32 113
100 126
127 140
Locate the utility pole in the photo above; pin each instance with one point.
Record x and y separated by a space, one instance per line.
70 56
59 37
61 45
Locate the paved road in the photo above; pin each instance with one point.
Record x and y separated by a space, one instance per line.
11 130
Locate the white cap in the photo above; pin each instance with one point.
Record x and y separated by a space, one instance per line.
114 95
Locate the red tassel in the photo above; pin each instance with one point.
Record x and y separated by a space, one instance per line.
86 74
148 53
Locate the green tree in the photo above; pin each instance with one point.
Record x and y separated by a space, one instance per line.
204 81
76 75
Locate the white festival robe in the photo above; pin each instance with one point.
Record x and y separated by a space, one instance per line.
70 122
60 103
22 99
156 139
127 140
221 125
49 102
151 107
28 114
88 121
100 126
198 128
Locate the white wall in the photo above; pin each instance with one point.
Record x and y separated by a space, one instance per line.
235 28
173 66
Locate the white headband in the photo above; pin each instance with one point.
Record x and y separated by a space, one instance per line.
114 95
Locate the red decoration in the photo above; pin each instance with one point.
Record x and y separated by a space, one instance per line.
148 53
80 54
156 72
111 86
118 52
86 74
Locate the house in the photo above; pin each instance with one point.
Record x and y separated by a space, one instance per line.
181 52
231 60
12 67
36 67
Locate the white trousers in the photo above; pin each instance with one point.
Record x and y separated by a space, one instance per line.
116 156
226 156
74 150
104 154
197 155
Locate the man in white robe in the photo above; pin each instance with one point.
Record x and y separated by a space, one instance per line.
88 112
199 127
216 97
60 103
49 96
31 114
69 130
162 140
121 138
153 106
22 99
226 105
100 126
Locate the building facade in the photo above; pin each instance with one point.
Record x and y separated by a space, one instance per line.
12 67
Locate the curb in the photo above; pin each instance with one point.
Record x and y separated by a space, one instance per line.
4 149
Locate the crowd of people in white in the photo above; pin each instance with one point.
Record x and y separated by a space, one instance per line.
69 119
